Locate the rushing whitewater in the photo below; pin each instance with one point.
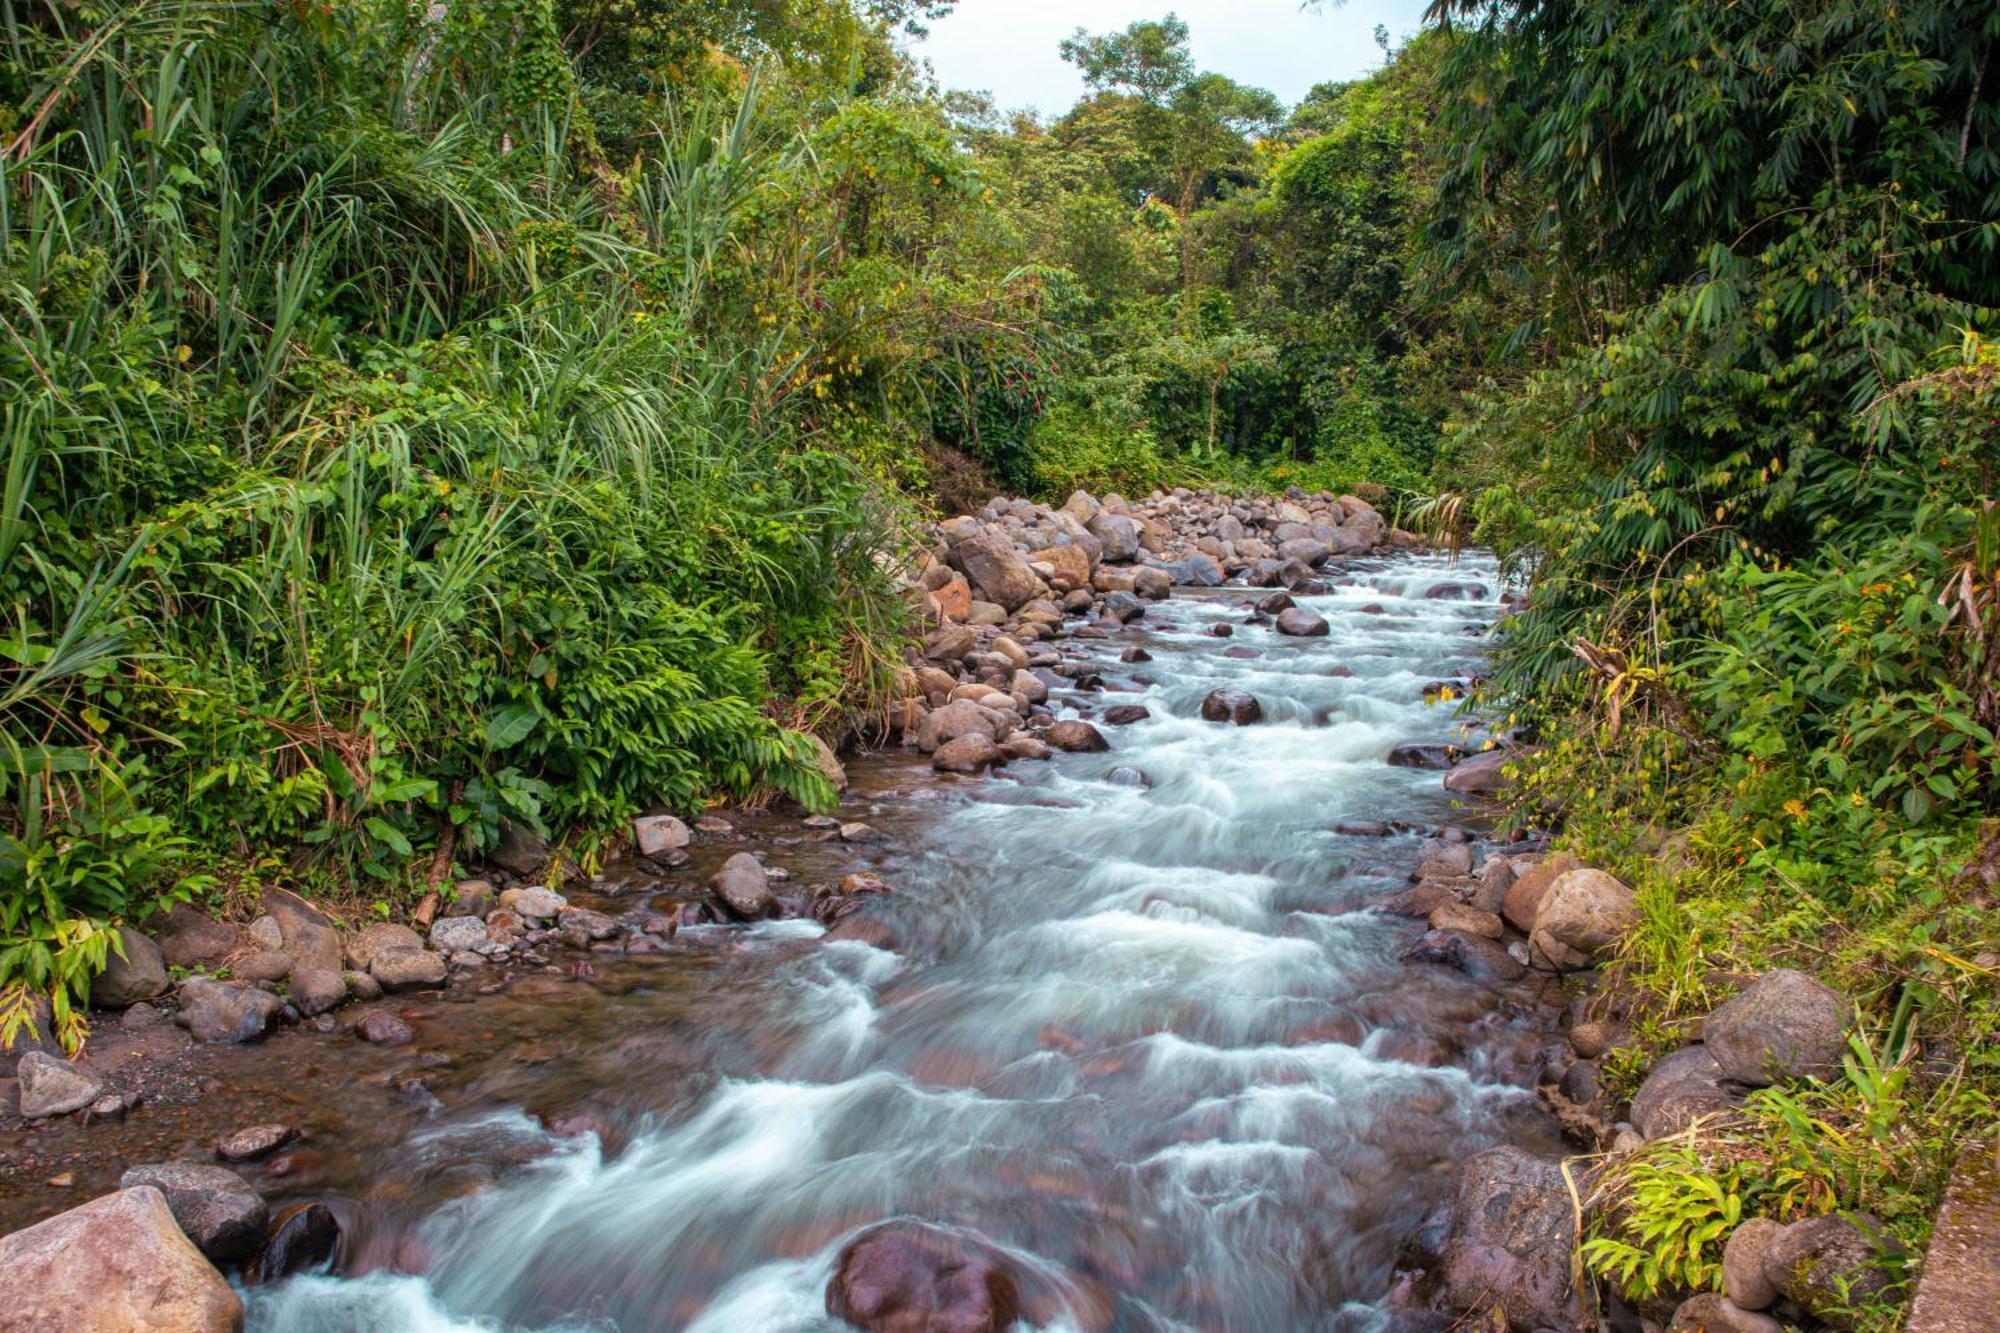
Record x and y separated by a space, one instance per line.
1144 1039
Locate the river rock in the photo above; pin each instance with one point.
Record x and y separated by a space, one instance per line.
1438 859
309 938
474 897
315 990
190 938
656 835
1229 704
1583 915
1478 775
520 850
141 974
1743 1277
118 1264
379 1027
220 1214
364 944
1681 1088
302 1239
1470 919
535 902
1508 1244
581 927
1076 737
408 969
997 570
50 1086
1710 1313
361 986
1422 754
1476 956
1127 776
910 1277
1784 1025
961 717
743 886
266 933
1300 623
457 934
254 1141
1524 895
1124 607
214 1011
1119 534
967 754
1830 1264
263 965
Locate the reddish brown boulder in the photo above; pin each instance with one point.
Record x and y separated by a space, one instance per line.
910 1277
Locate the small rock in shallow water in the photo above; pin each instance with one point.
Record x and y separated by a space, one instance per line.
315 990
655 835
859 832
408 969
303 1238
901 1277
248 1144
1076 736
1231 705
1124 715
379 1027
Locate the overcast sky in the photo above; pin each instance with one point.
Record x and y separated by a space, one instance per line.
1008 47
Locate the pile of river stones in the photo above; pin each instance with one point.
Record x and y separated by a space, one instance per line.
1505 1258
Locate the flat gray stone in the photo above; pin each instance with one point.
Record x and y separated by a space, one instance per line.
1959 1291
50 1086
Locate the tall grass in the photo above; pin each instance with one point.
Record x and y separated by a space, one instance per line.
378 465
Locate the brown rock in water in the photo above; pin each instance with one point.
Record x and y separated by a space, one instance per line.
743 887
966 754
216 1012
1077 737
1508 1245
909 1277
1299 623
303 1237
1231 705
1479 775
379 1027
254 1141
118 1264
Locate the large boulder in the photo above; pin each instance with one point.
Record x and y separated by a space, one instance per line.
1582 916
220 1214
1071 563
909 1277
1831 1265
1508 1245
520 850
309 939
998 571
190 938
51 1086
744 888
1783 1025
1681 1088
214 1011
139 974
118 1264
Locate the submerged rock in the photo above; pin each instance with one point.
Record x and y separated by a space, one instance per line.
910 1277
1232 705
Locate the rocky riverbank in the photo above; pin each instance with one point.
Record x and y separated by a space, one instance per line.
1020 603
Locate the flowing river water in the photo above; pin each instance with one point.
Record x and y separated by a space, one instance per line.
1146 1039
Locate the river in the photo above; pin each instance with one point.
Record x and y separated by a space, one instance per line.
1144 1038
